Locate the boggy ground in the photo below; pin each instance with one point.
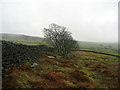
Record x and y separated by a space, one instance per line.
85 70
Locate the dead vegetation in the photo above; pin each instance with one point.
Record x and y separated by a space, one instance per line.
77 72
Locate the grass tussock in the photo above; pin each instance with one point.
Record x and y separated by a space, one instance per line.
85 70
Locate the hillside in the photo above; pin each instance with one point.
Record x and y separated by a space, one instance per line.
31 40
27 67
19 37
23 39
85 70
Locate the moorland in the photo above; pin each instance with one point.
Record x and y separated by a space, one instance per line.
49 70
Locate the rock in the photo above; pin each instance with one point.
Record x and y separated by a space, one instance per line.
58 57
34 65
15 54
51 57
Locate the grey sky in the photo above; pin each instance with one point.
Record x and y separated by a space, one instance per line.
88 20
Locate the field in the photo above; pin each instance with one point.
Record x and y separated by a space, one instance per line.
81 70
84 70
98 45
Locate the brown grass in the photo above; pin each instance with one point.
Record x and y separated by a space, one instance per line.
64 73
80 76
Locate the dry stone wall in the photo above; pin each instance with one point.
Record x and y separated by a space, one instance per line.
15 54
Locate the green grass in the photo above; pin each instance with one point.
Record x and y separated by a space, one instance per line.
96 45
113 52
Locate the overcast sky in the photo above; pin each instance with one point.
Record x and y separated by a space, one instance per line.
88 20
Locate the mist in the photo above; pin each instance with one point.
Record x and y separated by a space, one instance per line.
87 20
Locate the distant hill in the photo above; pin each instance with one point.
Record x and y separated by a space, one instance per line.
23 39
19 37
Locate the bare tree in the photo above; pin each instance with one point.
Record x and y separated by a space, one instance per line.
61 39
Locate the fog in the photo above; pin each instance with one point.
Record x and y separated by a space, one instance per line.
88 20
